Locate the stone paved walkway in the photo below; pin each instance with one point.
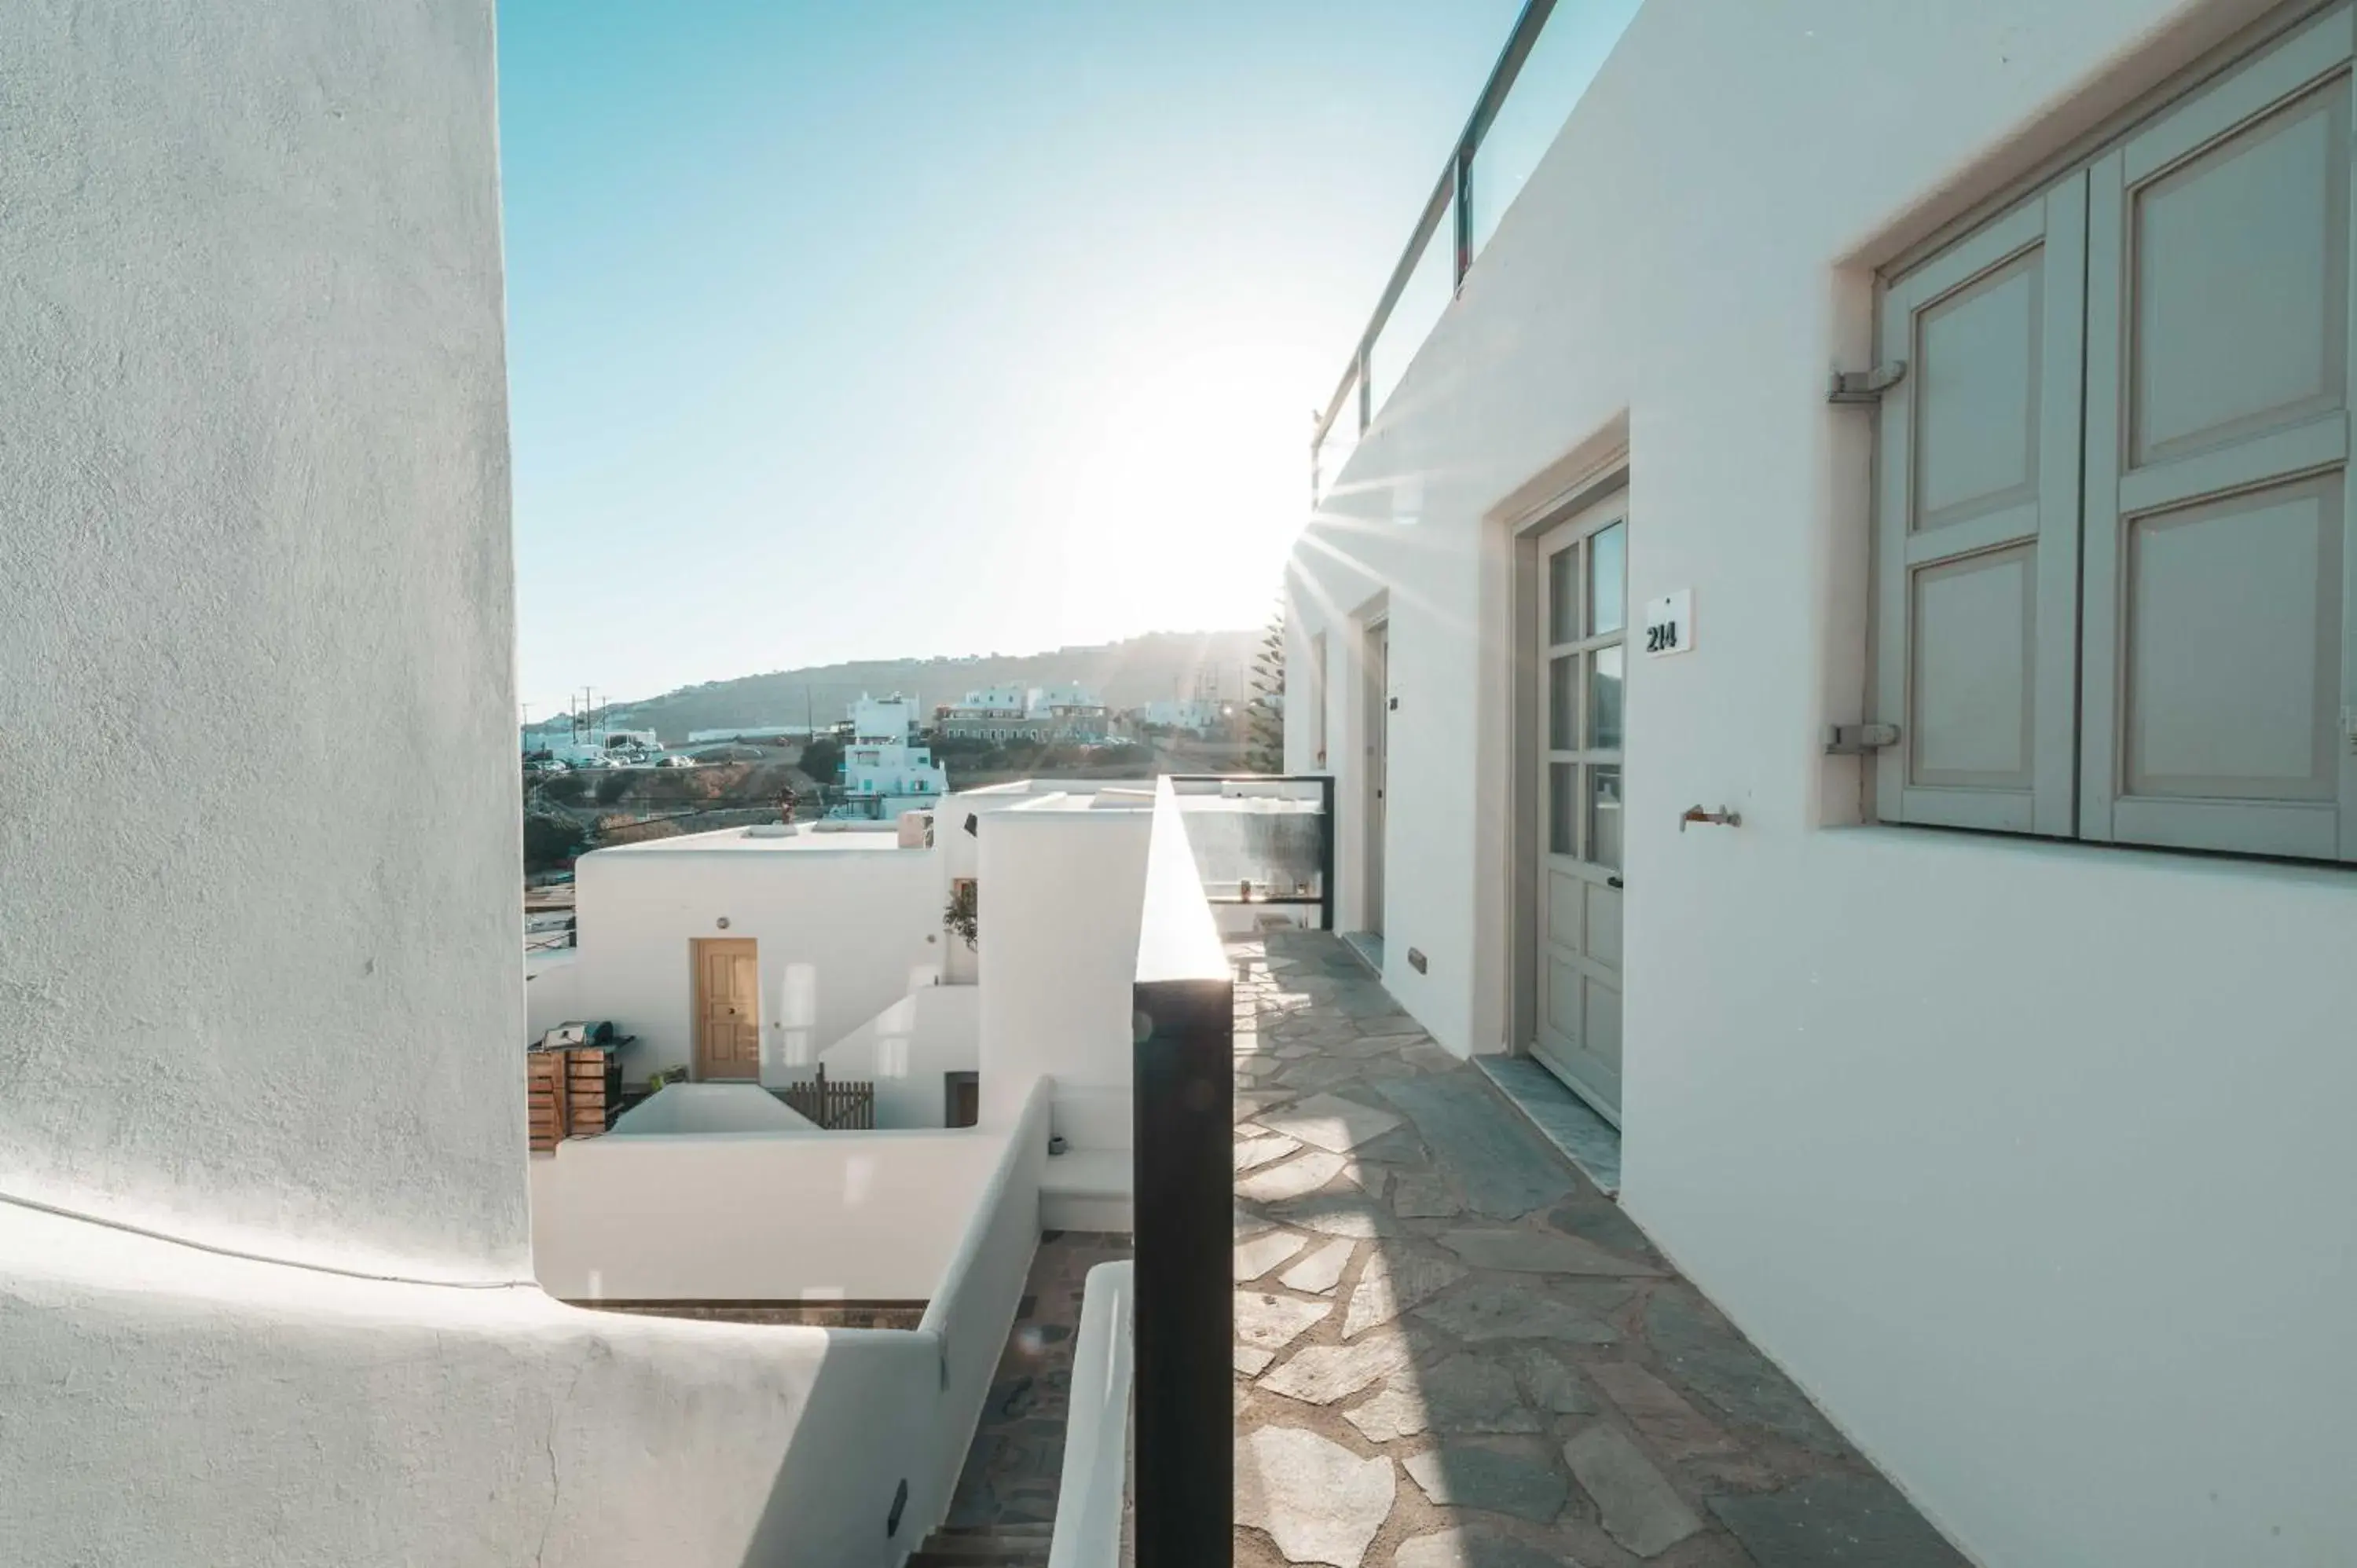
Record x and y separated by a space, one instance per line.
1453 1352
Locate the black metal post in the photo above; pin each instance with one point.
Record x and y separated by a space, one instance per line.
1184 1120
1326 852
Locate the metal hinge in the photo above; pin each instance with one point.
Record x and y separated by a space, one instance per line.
1855 740
1866 386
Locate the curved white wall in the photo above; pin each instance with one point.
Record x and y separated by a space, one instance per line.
1984 1140
258 484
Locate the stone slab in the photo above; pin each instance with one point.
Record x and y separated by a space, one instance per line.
1294 1178
1494 1480
1257 1256
1475 1549
1253 1152
1561 1117
1504 1170
1352 1214
1638 1506
1331 1123
1392 1283
1252 1363
1717 1364
1480 1313
1269 1322
1546 1382
1321 1271
1462 1394
1664 1419
1835 1521
1322 1374
1539 1253
1421 1196
1318 1501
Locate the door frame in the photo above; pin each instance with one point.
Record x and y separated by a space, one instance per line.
696 948
1374 626
1524 798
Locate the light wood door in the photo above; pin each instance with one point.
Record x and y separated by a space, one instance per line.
1583 635
728 1008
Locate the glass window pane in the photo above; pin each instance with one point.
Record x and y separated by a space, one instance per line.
1604 699
1604 817
1429 289
1563 703
1608 564
1563 595
1563 807
1561 62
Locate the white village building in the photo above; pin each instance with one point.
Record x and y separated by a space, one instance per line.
885 773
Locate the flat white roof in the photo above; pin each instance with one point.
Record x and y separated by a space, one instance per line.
743 841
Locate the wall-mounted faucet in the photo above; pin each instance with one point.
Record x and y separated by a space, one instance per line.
1723 817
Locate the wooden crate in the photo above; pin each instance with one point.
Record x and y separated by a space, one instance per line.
566 1095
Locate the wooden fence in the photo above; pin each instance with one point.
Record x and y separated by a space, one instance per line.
833 1103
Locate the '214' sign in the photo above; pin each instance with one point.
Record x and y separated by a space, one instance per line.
1669 623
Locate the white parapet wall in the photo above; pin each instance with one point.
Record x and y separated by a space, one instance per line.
758 1216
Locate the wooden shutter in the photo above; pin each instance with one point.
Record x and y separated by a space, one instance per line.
1977 528
2221 581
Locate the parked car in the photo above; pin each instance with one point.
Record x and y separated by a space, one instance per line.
676 762
545 765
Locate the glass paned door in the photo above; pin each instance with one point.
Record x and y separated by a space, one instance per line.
1582 631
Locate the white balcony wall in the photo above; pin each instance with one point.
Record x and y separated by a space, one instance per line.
1983 1139
756 1215
846 923
1061 892
906 1049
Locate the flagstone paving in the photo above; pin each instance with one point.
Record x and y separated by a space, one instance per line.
1454 1352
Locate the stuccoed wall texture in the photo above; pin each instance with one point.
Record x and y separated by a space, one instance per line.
259 969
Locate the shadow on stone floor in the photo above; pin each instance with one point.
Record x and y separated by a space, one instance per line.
1453 1352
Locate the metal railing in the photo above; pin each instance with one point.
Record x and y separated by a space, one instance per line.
1500 145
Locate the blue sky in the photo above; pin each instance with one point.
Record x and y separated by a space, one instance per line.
856 329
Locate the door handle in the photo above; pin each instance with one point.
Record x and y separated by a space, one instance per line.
1612 882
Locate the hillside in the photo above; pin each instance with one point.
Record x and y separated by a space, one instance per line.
1130 674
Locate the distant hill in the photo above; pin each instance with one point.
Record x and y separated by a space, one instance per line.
1130 674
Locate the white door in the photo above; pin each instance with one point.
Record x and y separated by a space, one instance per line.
1379 744
1582 634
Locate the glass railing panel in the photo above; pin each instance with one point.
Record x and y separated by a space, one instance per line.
1570 48
1430 286
1342 439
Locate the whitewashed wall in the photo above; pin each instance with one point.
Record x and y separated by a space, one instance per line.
844 930
1061 902
552 990
1984 1141
755 1216
906 1050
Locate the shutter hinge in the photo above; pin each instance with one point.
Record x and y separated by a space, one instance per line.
1866 386
1855 740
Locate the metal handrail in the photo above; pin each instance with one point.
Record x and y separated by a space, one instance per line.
1457 180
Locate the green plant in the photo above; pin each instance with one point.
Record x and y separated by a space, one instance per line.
565 788
551 839
612 787
961 918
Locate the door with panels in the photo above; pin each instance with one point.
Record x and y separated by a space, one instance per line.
1582 634
2220 675
728 1008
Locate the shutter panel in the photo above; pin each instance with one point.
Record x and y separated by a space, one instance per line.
2220 593
1976 535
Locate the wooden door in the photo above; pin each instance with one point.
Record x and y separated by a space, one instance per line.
728 1008
1582 633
